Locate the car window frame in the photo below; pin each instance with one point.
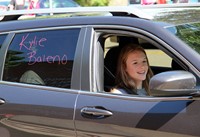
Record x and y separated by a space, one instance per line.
77 61
87 66
156 41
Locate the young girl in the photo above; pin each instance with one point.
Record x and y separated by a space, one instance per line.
133 71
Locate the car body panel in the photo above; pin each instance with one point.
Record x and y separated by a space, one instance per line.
86 109
143 118
28 109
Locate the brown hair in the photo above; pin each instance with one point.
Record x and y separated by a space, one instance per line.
123 80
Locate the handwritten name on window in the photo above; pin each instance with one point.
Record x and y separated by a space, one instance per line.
31 44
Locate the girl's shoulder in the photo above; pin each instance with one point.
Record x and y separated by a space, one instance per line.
141 92
118 91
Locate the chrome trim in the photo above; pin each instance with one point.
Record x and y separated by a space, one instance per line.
134 97
98 94
2 101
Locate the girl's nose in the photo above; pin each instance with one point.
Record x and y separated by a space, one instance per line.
143 65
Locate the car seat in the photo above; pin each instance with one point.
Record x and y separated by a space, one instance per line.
32 78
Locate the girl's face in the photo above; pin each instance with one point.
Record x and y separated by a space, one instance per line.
137 66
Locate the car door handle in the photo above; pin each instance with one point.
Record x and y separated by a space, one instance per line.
2 101
95 112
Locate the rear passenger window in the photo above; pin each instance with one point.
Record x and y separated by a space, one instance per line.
42 58
2 38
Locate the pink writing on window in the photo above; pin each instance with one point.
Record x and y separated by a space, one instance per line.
28 44
49 59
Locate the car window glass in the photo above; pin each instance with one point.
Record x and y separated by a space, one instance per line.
189 33
2 38
44 58
56 4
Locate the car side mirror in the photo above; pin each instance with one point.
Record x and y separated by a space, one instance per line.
173 83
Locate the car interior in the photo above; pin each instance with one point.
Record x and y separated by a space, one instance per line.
112 48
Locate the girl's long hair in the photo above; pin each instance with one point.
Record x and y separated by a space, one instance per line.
123 80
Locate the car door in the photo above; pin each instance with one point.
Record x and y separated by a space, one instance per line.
36 93
101 113
116 115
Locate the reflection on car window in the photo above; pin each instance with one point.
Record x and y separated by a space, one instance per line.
44 58
189 33
56 4
182 22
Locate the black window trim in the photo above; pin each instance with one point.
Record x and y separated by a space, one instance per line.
3 52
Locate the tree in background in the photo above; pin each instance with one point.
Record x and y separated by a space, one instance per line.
93 2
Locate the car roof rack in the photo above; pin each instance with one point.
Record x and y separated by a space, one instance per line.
173 5
113 10
136 10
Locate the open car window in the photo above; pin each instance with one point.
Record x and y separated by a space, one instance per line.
159 60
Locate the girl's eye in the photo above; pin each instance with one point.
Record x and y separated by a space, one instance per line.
144 61
135 63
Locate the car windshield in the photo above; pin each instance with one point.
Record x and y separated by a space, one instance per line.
57 3
182 22
189 33
4 2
